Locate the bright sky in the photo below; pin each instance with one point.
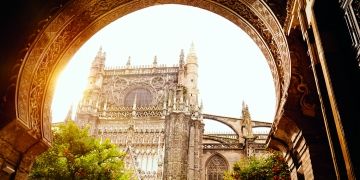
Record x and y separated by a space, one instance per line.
231 66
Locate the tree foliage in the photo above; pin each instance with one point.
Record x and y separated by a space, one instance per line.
269 166
76 155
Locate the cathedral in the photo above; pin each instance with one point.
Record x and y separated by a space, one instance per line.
312 48
152 112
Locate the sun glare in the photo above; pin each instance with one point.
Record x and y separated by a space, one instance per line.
69 88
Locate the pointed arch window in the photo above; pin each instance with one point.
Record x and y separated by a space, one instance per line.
216 167
143 97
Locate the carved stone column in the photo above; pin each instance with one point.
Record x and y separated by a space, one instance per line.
177 127
195 149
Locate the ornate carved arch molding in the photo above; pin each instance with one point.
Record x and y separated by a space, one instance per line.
260 23
77 21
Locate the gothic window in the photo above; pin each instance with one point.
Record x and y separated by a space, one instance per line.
216 167
143 97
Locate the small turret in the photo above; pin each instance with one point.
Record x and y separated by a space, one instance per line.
245 111
97 70
247 120
181 76
191 57
95 81
181 58
191 76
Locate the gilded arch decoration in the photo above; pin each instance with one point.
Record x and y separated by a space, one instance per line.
77 21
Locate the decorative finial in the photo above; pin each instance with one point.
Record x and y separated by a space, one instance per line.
181 60
192 47
129 61
245 112
247 121
191 57
155 61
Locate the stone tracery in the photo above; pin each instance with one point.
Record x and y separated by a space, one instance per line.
215 167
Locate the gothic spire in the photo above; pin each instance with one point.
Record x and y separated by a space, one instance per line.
245 111
247 120
191 57
192 48
181 59
191 77
100 51
96 72
155 61
181 76
99 58
128 63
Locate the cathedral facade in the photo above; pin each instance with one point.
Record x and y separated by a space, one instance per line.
152 112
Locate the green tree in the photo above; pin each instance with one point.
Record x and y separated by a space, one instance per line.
269 166
76 155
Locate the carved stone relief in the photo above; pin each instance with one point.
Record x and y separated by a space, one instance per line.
356 7
116 88
278 7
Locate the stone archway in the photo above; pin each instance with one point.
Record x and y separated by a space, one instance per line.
33 60
78 21
59 37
